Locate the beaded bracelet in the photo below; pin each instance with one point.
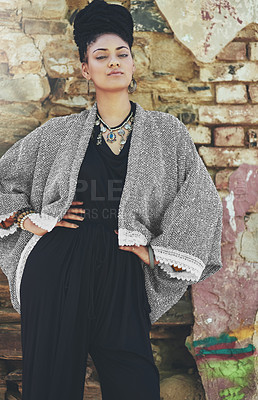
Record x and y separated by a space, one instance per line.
21 215
22 221
17 214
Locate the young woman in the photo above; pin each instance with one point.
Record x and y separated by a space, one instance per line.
86 274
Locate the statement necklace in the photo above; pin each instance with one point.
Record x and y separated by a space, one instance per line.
111 136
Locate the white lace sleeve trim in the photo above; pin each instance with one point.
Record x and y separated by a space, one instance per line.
4 217
8 231
131 238
44 221
184 275
192 266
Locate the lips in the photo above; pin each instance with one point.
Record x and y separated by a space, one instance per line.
116 73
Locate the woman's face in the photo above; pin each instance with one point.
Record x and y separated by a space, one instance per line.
108 53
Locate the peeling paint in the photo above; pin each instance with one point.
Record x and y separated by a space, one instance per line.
248 175
231 210
222 358
239 372
187 38
243 332
226 349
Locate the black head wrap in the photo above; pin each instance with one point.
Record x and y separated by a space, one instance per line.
100 17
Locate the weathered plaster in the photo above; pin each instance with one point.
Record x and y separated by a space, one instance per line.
225 305
207 26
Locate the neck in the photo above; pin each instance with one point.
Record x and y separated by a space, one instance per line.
113 108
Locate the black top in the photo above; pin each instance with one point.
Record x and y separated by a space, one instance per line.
101 179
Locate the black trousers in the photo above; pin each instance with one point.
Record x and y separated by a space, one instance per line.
81 294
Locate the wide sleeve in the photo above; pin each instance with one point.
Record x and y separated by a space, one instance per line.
17 167
191 226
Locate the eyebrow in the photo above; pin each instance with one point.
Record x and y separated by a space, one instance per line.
118 48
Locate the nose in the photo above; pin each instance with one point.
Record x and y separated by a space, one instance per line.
114 62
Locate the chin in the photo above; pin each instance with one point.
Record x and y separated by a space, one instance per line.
115 87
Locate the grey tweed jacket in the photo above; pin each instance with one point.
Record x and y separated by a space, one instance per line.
168 200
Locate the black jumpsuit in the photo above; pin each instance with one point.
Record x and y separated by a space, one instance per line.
81 294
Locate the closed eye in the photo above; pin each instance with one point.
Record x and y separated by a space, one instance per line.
121 55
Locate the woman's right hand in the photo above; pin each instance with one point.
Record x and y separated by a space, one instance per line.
33 228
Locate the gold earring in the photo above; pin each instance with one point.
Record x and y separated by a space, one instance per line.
88 86
132 88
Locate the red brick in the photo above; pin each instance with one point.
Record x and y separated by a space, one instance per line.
229 114
253 51
240 71
200 134
249 33
224 157
233 51
229 136
230 93
253 92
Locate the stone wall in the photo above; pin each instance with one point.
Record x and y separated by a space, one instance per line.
210 84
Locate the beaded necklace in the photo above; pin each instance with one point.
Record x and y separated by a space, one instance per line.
111 136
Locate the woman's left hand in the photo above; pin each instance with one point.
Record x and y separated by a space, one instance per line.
141 251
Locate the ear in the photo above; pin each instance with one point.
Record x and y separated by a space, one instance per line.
134 68
85 72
